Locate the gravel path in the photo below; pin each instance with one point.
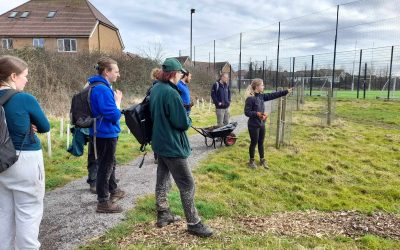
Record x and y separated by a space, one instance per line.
70 219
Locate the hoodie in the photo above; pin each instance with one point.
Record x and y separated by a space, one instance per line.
104 108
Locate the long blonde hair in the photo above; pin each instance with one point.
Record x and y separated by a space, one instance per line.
253 85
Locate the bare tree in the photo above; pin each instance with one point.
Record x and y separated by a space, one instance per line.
154 51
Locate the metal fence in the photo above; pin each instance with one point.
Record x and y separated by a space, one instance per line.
352 47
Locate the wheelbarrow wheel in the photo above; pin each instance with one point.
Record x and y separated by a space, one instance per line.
230 139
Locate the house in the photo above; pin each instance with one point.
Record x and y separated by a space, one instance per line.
59 25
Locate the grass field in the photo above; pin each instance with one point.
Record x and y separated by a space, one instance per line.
352 165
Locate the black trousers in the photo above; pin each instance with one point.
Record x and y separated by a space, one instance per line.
91 163
106 183
257 135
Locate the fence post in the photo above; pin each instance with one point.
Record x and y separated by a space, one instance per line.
297 97
62 127
365 80
277 59
278 124
49 143
240 63
329 113
68 135
359 75
334 51
390 73
282 137
312 73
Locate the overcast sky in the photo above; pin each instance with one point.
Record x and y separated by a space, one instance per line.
142 23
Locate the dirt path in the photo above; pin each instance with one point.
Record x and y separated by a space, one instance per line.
69 214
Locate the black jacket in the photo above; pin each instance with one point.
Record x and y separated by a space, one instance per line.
221 93
255 104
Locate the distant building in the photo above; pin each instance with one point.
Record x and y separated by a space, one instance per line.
59 25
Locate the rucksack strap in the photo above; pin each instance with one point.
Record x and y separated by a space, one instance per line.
7 96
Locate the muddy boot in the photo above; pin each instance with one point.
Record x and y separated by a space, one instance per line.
251 164
166 217
108 207
263 163
119 194
200 230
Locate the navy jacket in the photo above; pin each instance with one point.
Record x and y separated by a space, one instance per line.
221 94
255 104
104 108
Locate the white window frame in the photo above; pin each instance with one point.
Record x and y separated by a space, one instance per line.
61 42
9 43
51 14
38 42
13 14
25 14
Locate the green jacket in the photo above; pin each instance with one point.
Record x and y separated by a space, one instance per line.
170 121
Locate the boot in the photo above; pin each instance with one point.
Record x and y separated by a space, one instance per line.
166 217
119 194
200 230
251 163
108 207
263 163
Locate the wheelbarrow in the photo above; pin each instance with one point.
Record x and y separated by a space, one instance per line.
215 134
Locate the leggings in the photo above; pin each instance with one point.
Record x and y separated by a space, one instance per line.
257 136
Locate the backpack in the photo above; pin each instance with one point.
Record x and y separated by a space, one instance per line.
80 112
138 120
8 155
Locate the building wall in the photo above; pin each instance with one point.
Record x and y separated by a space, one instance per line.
50 43
109 40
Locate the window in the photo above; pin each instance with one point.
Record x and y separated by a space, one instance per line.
24 14
13 14
51 14
38 42
7 43
66 45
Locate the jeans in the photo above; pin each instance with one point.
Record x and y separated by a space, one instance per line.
106 183
257 136
182 174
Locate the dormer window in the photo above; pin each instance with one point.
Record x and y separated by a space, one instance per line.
24 14
13 14
51 14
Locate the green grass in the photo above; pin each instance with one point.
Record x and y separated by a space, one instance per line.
348 94
352 165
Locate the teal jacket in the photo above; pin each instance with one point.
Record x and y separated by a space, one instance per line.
170 121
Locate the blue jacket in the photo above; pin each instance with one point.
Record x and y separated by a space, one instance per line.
221 93
104 108
185 94
21 111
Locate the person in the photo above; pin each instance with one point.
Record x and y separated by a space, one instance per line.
105 107
153 76
255 110
170 142
221 96
22 186
185 91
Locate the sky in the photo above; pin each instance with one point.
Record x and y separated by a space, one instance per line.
307 26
